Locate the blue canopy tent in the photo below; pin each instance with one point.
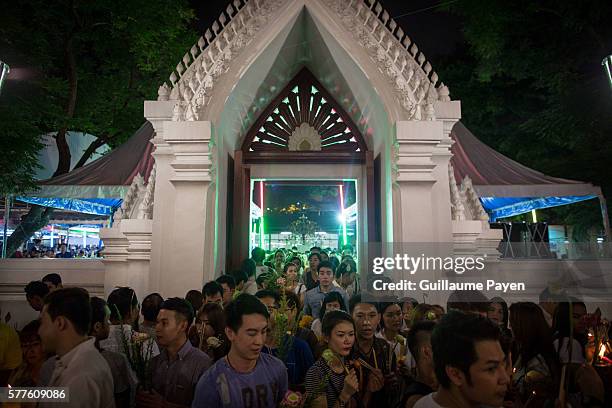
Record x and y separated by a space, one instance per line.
95 206
98 187
506 187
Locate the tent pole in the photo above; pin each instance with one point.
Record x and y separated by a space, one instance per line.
604 215
7 215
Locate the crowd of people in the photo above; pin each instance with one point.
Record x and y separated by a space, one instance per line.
292 332
61 250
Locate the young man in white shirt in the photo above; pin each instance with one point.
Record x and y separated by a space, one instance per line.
79 366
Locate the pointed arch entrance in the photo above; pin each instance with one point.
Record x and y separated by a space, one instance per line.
305 135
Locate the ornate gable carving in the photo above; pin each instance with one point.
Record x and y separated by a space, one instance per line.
304 117
465 204
191 84
413 79
394 53
131 199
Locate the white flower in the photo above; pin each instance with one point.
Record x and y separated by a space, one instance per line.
213 342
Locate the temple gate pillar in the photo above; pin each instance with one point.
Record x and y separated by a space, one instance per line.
421 207
182 252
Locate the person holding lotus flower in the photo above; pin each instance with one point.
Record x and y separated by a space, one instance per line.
330 383
391 324
377 361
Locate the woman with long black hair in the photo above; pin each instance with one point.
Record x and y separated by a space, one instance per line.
568 323
537 366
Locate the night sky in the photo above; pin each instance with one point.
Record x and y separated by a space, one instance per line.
436 33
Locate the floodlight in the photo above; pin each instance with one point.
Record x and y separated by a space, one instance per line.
4 71
607 63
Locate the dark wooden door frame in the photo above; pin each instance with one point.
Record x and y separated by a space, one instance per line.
240 232
241 211
243 158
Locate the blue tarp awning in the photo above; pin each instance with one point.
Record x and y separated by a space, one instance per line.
502 207
506 187
96 206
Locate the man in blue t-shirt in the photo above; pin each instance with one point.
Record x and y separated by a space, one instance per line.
245 378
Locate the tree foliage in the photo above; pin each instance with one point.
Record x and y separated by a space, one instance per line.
19 144
103 57
89 66
531 85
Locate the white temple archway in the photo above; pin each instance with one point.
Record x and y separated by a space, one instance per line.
222 84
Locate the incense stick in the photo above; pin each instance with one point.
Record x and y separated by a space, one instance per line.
366 365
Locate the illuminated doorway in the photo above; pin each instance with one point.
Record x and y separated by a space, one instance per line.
304 214
301 140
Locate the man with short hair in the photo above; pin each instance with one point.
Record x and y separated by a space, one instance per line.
300 357
213 293
195 298
118 363
379 386
63 253
53 281
419 344
468 301
35 293
240 277
258 255
177 369
245 377
124 307
313 299
228 283
149 310
64 326
469 363
249 267
548 303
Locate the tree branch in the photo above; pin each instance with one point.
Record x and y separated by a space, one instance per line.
63 165
93 146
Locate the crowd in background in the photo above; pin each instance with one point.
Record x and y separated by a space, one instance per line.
288 329
61 250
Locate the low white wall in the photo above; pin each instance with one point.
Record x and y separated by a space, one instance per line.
16 273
